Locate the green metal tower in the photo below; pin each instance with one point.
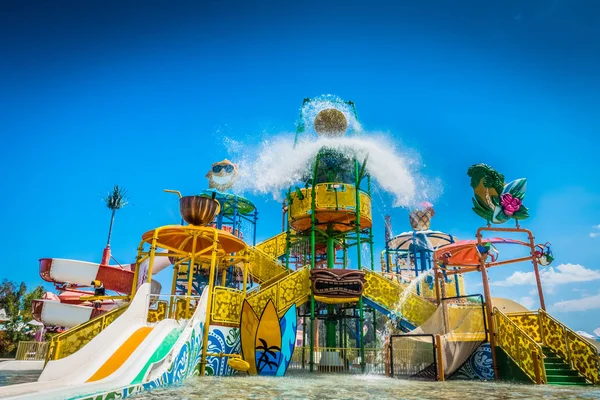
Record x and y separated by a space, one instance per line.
328 216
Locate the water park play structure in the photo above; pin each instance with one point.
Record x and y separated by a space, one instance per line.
310 296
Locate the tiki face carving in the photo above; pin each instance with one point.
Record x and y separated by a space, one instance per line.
337 282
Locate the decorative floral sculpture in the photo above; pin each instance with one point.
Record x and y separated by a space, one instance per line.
494 200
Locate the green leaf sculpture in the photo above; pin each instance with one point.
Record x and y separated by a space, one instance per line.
494 200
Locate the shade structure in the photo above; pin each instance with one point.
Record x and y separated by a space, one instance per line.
466 252
423 240
229 202
180 238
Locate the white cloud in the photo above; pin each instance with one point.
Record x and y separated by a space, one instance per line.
562 274
597 226
527 302
583 304
586 334
594 234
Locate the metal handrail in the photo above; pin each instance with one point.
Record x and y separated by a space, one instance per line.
54 347
566 331
570 361
253 251
541 369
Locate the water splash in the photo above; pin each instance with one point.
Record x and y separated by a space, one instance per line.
365 254
277 164
410 289
309 112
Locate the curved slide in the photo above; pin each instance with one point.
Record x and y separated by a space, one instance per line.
130 355
69 313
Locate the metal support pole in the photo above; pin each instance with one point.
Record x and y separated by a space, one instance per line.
303 340
414 243
210 288
536 272
361 324
357 210
312 265
254 233
371 244
489 306
330 322
288 233
374 314
440 358
345 254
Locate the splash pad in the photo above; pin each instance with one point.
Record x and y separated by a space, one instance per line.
306 298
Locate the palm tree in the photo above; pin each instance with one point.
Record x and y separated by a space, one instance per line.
115 200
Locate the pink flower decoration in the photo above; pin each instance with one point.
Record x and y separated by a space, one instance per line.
510 204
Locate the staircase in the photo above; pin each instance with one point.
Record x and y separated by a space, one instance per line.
559 372
546 350
264 265
289 289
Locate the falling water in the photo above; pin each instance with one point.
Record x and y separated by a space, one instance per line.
411 288
365 255
278 164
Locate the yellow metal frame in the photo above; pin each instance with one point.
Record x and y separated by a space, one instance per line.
567 344
209 255
28 350
67 343
520 347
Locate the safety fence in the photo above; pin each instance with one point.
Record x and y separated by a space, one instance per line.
293 289
274 246
66 343
413 356
339 360
226 306
29 351
163 306
263 267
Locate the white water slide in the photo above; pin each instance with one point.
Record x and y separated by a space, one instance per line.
114 277
128 354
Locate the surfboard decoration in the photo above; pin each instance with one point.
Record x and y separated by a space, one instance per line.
288 325
248 328
268 342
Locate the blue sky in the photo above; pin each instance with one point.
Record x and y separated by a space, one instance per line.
143 93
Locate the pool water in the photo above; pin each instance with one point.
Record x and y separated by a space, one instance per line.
299 385
15 377
320 386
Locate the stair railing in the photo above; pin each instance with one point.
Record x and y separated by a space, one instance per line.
520 347
581 355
